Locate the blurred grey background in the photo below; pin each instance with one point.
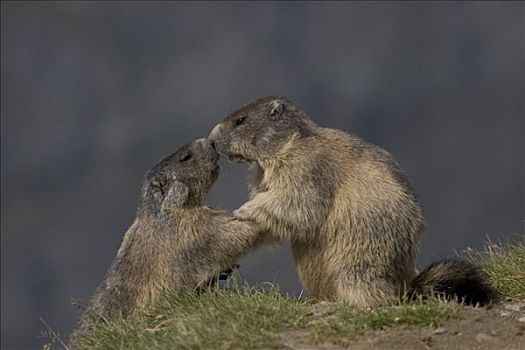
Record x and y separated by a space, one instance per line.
93 94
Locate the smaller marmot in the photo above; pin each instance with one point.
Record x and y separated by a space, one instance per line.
175 241
352 217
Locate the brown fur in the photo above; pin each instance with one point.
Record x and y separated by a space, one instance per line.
175 241
350 213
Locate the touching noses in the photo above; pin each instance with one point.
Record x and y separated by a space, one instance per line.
206 142
214 134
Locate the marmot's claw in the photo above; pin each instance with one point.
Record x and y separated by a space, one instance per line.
224 275
240 214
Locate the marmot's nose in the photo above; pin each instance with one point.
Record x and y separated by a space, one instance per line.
214 133
206 143
203 141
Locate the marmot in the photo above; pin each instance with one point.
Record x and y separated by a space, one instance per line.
350 213
175 241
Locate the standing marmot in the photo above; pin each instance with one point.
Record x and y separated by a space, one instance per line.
175 241
351 215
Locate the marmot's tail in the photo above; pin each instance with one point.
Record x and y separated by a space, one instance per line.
452 278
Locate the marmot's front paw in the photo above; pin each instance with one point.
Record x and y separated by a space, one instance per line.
241 214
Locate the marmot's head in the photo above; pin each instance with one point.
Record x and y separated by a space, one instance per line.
258 130
183 178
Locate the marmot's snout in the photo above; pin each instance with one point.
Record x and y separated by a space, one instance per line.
214 133
211 157
208 149
216 138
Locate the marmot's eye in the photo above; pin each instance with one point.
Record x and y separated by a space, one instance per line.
185 158
240 120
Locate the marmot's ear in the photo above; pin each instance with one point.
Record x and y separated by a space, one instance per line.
158 184
276 108
177 195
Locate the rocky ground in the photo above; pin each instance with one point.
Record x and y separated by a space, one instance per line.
501 327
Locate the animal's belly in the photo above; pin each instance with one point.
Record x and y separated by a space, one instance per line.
314 271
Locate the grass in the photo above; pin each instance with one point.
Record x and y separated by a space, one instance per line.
248 318
348 321
237 318
504 265
255 318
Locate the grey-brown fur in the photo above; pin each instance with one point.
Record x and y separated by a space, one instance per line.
350 213
175 241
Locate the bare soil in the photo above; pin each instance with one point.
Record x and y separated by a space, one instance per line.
500 327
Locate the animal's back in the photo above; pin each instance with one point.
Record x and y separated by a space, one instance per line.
138 274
